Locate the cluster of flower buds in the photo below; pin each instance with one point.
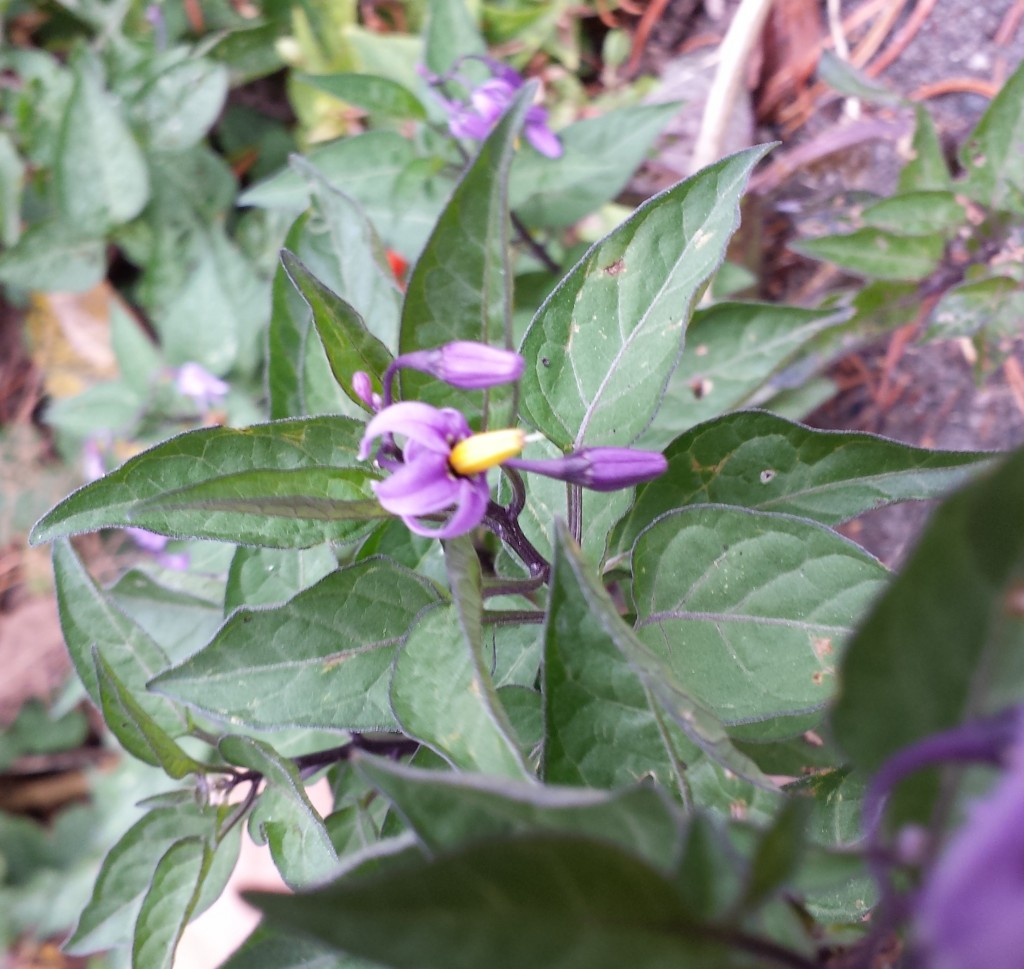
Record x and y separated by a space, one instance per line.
442 465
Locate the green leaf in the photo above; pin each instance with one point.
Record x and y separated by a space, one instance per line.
127 872
401 193
917 213
732 350
451 33
323 659
284 817
750 611
755 460
352 261
927 169
12 175
877 254
447 810
268 949
269 576
594 670
993 155
296 508
375 95
221 288
349 346
89 620
529 901
995 304
442 695
136 731
51 256
170 902
601 349
178 619
321 453
101 175
299 376
939 647
180 104
777 855
460 288
598 157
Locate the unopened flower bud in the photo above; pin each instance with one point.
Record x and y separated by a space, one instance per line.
465 364
600 468
363 387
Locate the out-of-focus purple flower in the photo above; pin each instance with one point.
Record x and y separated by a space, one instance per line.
969 911
487 103
599 468
423 482
199 385
93 465
465 364
156 545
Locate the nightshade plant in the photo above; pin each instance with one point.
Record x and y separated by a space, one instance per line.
630 726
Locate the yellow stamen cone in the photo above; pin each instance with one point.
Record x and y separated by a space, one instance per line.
487 450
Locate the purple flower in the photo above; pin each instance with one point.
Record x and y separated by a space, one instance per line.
487 103
465 364
969 912
199 385
599 468
423 482
363 387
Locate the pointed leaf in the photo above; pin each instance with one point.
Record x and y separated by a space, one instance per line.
293 508
601 349
460 288
127 873
446 810
137 732
374 94
594 669
270 576
284 817
442 695
751 611
530 901
927 169
731 351
323 659
348 344
101 175
877 254
89 620
994 153
943 644
170 902
753 459
206 456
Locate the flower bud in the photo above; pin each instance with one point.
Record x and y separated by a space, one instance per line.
467 365
362 385
600 468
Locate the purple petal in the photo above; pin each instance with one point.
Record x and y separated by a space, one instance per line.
472 503
466 364
540 135
969 911
466 123
419 487
147 540
426 425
